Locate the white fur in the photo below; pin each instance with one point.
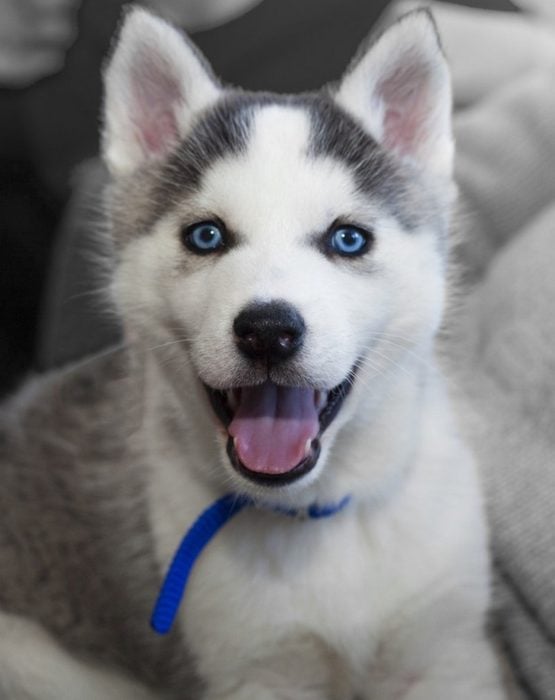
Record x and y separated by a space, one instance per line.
346 313
149 52
404 75
386 600
399 582
34 666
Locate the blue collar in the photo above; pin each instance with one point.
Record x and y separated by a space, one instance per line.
199 535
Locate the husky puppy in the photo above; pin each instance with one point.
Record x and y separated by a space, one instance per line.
280 271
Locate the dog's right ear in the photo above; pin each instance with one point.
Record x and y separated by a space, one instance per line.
155 83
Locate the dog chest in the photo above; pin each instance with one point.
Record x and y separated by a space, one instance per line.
268 581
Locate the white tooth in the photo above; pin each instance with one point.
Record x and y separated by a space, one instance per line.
308 447
320 399
232 399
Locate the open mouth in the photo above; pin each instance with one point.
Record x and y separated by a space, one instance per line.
274 431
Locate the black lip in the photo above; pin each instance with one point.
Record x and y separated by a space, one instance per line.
336 396
263 479
219 405
335 400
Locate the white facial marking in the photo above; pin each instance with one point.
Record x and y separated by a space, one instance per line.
275 198
279 204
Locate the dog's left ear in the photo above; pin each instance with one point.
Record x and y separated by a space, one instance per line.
155 84
399 89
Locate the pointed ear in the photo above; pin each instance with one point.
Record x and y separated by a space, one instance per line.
399 89
154 84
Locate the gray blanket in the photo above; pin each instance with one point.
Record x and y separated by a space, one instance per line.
502 340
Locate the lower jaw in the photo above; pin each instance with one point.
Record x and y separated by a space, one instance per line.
278 479
336 398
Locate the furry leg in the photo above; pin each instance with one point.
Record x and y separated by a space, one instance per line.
254 691
459 675
437 649
460 669
299 669
33 666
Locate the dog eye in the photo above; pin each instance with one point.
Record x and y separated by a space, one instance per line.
204 237
349 240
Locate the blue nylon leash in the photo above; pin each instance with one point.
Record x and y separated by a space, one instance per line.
205 527
199 535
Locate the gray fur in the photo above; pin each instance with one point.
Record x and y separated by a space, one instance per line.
336 134
224 131
75 546
221 131
76 550
375 35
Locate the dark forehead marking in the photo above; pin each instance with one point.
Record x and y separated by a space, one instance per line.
335 134
224 130
220 131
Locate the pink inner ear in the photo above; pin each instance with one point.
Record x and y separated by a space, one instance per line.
156 98
158 135
405 95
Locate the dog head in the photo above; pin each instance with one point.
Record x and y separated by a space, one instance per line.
286 253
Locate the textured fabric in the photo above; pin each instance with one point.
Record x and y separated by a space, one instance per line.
504 352
506 143
507 362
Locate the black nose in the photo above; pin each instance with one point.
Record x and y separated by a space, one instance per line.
272 331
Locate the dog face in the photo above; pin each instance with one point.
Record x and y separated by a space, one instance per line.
279 250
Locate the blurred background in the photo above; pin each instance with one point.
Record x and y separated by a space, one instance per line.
51 54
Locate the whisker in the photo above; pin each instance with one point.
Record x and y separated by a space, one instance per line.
178 341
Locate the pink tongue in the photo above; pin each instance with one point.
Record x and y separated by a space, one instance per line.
272 425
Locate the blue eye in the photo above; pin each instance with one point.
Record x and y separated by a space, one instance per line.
204 237
349 240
